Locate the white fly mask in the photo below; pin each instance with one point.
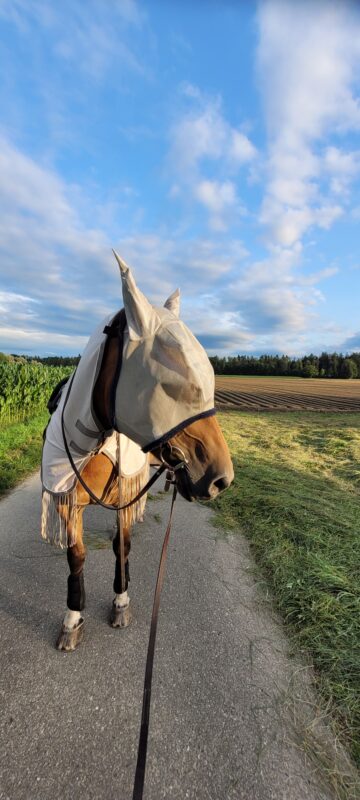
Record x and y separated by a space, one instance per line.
166 379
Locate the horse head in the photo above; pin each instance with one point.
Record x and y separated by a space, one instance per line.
165 394
200 458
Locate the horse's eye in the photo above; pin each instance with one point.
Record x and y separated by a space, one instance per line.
199 452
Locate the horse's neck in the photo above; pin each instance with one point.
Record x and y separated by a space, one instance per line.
109 371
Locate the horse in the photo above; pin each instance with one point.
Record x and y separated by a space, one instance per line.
154 385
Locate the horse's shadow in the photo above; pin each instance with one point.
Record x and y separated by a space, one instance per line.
21 583
33 593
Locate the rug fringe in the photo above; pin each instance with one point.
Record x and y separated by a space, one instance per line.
59 511
58 516
130 487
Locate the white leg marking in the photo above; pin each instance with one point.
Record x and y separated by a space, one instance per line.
71 619
121 600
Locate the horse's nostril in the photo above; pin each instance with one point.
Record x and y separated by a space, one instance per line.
222 483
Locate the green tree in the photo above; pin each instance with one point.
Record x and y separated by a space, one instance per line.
348 369
309 371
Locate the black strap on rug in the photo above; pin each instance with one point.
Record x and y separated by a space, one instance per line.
145 717
91 494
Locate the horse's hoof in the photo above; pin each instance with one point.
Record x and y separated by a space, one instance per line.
120 616
69 640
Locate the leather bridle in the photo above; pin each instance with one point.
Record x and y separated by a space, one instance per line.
175 452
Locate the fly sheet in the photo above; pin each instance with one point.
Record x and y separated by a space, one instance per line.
85 438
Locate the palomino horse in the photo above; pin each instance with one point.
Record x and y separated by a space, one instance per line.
168 383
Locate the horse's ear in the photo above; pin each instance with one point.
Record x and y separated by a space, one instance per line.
141 317
173 303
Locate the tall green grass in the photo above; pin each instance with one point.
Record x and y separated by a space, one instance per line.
24 392
296 496
20 449
26 388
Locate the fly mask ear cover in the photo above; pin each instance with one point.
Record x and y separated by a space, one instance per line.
166 378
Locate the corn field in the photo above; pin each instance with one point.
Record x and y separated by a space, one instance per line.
26 388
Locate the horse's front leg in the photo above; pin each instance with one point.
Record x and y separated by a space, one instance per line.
120 616
72 629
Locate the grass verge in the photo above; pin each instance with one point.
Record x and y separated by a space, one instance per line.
20 449
296 496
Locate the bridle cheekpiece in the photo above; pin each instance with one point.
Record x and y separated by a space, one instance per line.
175 452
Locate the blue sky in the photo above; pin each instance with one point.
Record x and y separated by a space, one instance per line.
215 145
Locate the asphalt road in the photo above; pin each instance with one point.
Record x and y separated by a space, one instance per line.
222 723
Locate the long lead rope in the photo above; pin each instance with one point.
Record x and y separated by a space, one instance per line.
120 517
145 716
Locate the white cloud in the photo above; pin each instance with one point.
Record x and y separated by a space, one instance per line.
342 167
269 300
9 299
204 133
308 55
352 344
161 261
198 135
220 332
274 301
339 162
289 224
220 199
241 148
316 277
216 196
202 138
89 34
23 340
326 215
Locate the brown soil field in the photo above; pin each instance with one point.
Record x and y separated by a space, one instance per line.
252 393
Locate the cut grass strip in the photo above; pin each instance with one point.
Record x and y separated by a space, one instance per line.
20 449
296 496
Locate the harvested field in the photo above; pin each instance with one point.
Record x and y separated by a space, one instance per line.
252 393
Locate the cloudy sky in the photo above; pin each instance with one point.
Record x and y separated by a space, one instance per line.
214 144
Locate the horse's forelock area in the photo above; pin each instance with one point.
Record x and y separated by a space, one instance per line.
222 687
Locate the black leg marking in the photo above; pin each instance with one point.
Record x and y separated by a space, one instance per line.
118 588
76 592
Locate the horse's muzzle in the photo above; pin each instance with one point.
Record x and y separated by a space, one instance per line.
203 489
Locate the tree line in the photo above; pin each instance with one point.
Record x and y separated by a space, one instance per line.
48 361
327 365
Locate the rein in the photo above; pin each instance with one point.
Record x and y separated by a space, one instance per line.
145 715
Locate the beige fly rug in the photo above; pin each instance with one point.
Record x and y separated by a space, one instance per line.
85 438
